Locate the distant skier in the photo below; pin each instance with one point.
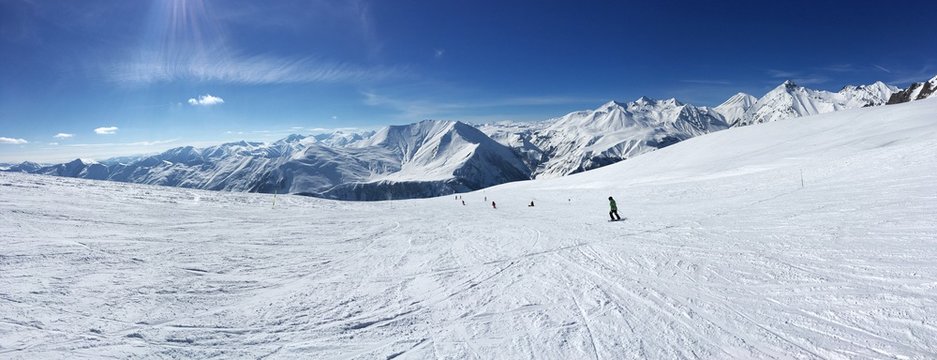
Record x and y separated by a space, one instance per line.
463 202
614 212
531 204
493 206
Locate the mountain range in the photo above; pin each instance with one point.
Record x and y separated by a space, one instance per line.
615 131
433 157
790 100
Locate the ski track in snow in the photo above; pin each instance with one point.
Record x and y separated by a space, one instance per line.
746 265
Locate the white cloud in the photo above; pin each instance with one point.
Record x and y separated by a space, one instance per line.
63 136
206 100
798 78
136 143
439 53
881 68
201 48
332 130
53 143
13 141
782 74
253 70
842 68
109 130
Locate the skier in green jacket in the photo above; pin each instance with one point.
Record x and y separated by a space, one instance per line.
614 213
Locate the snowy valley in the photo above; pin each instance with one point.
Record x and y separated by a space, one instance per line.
804 239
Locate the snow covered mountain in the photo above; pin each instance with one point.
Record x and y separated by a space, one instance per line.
26 166
790 100
917 91
425 159
342 138
80 168
733 109
585 140
433 158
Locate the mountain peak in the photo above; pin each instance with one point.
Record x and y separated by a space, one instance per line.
740 97
876 86
787 86
644 100
672 101
612 104
916 91
243 143
81 161
293 138
733 109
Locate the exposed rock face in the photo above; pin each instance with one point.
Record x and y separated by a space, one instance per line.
917 91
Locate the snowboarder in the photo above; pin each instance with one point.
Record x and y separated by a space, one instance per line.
614 212
493 206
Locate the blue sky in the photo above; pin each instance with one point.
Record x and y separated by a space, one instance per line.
96 78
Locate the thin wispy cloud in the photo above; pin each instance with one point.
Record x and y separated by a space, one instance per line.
107 130
423 109
54 152
64 136
13 141
438 53
277 133
193 46
842 68
781 74
255 70
206 100
881 68
135 143
798 78
816 80
332 130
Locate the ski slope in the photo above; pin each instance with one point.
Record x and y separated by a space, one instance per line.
726 253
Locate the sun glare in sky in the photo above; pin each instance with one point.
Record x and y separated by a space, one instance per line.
274 68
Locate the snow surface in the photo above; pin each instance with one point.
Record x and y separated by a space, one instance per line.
725 254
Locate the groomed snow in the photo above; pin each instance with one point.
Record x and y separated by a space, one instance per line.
725 254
